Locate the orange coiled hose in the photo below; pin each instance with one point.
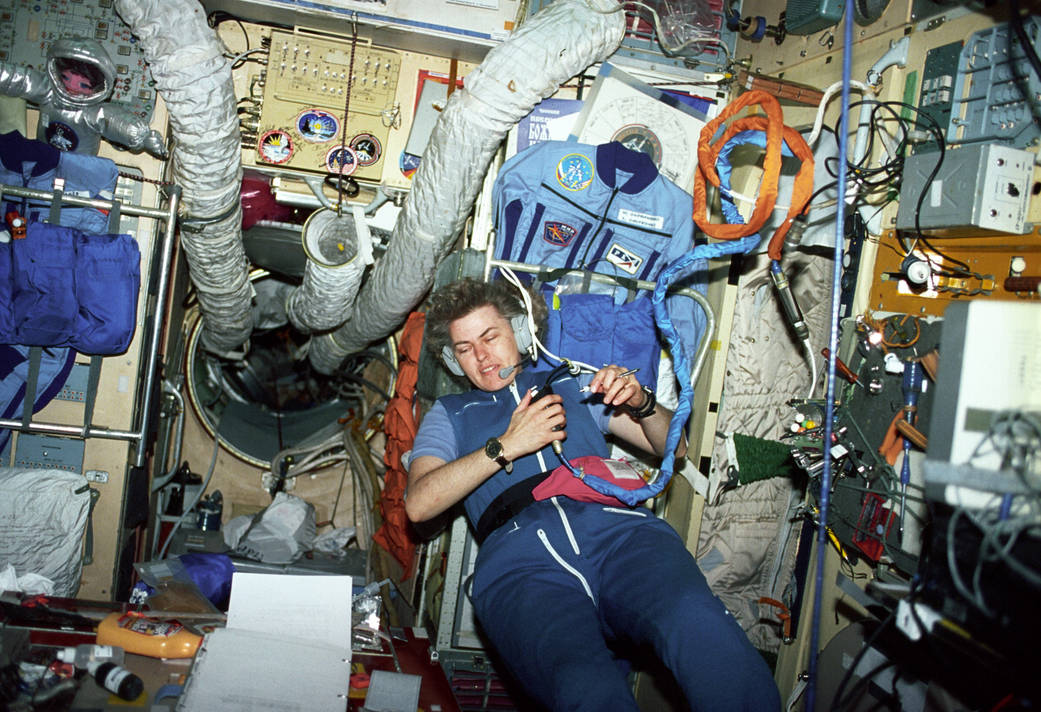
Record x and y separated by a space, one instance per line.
773 126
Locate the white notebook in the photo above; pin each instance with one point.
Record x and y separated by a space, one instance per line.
287 648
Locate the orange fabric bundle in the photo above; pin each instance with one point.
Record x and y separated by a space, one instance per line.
400 424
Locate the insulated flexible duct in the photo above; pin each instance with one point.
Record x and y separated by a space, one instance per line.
335 263
556 44
195 81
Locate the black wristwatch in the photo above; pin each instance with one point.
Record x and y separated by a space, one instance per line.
493 449
647 409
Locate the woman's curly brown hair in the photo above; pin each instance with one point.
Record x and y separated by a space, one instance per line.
456 300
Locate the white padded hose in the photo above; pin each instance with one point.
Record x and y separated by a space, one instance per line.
195 81
332 274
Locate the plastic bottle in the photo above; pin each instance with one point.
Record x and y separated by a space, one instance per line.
81 655
142 635
117 680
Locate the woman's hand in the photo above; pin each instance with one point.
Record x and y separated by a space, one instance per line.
534 425
618 389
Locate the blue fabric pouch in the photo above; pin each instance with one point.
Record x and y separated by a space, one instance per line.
591 327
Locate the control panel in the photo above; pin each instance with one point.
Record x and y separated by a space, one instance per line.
27 28
48 452
328 104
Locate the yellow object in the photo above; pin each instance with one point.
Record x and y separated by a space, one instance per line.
153 637
838 545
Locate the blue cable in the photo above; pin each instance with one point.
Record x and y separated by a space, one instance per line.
671 274
833 345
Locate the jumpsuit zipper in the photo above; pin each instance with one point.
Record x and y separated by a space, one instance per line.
599 227
565 565
567 526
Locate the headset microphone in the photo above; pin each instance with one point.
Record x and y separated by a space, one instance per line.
505 372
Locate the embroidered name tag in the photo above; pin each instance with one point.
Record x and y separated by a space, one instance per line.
654 222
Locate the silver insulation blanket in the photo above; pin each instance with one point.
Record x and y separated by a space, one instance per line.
332 274
195 82
556 44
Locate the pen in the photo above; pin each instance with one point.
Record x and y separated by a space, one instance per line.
631 371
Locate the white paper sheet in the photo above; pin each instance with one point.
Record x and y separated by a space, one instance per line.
245 671
316 608
287 648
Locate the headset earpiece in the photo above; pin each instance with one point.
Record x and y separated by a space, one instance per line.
450 361
521 333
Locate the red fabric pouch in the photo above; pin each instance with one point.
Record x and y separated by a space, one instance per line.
562 482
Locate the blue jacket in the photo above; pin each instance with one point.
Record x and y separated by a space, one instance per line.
478 415
34 164
602 208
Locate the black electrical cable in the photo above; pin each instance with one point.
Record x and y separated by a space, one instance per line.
934 128
838 705
364 382
217 17
840 692
1024 41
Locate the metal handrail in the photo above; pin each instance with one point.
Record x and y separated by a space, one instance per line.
153 336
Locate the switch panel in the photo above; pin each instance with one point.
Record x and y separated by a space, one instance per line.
984 186
75 388
46 452
306 90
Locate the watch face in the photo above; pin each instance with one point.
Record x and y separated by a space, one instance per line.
493 448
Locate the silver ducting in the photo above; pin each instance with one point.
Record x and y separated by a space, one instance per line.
556 44
195 81
336 257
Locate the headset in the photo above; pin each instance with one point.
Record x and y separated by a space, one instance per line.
521 333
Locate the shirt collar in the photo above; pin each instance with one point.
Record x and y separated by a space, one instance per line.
16 151
613 159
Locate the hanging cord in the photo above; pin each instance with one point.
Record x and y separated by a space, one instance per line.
536 344
802 187
733 216
673 273
833 345
343 128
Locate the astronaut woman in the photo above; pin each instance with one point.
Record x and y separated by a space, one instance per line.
560 582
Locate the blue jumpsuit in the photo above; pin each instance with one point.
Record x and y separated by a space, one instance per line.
562 580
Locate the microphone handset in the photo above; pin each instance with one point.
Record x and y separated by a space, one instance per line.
545 390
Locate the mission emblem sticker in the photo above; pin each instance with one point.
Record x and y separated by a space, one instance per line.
575 172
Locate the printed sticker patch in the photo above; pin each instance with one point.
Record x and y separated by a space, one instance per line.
624 259
62 136
558 234
575 171
317 126
275 147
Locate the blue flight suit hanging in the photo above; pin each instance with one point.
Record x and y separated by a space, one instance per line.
34 164
601 208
